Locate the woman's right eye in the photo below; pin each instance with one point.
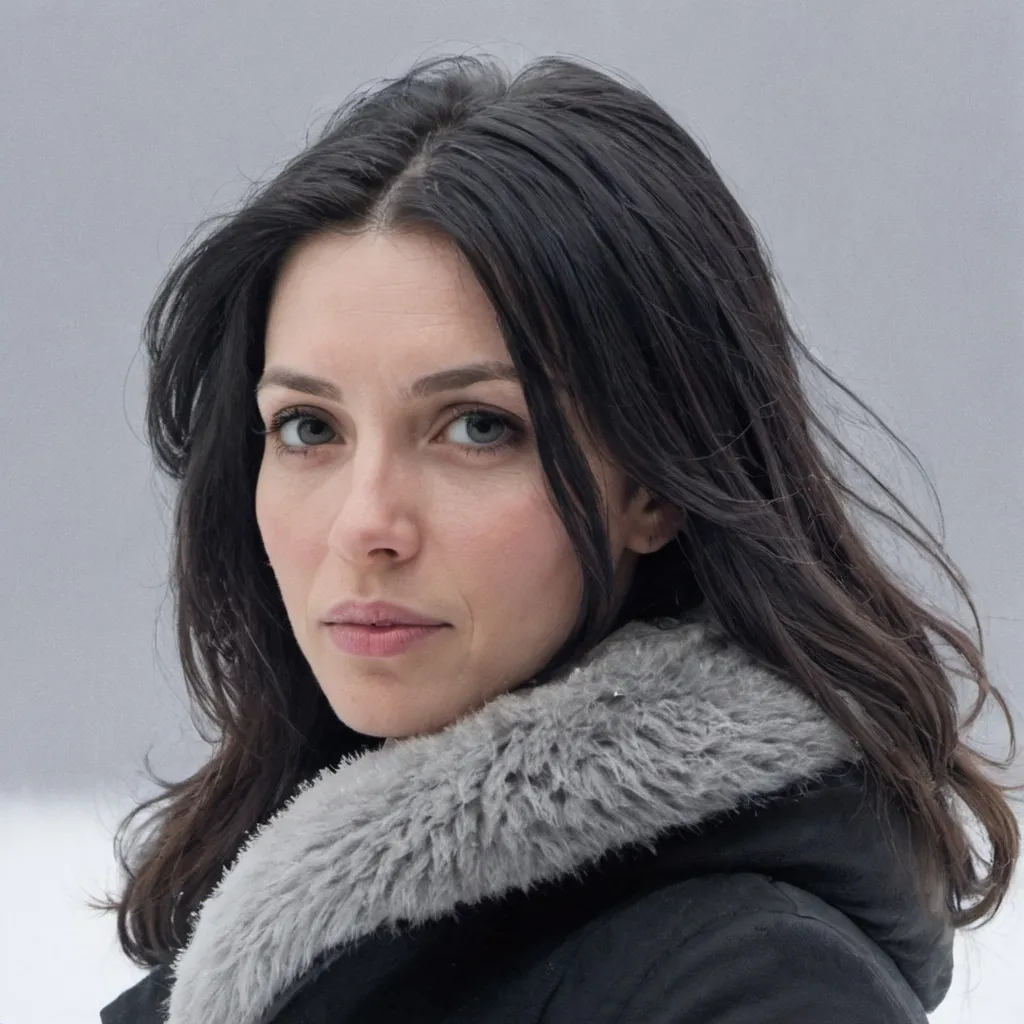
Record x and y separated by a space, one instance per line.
294 444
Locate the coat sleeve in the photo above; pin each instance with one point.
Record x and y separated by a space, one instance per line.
773 967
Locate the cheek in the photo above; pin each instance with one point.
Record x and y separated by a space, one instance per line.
515 542
283 525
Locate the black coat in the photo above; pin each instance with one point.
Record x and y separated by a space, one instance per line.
671 835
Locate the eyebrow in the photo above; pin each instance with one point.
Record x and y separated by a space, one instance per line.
442 380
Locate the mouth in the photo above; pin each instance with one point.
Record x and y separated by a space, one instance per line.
381 625
382 614
379 640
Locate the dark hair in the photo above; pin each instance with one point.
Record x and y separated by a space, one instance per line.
626 278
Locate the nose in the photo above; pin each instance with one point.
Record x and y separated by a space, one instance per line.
376 515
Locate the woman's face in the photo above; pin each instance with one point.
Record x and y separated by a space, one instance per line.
430 497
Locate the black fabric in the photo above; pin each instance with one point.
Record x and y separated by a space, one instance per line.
140 1003
794 909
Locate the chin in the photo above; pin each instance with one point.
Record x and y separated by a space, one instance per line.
380 725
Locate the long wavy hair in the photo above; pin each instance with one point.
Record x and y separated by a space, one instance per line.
625 276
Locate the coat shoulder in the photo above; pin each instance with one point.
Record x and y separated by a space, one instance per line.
143 1003
731 947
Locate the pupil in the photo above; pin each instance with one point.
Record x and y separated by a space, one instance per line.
486 417
312 423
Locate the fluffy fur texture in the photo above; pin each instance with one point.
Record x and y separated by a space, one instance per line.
655 728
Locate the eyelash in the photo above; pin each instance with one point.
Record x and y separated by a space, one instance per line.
278 420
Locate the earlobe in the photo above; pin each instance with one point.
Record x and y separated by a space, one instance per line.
657 523
657 531
656 542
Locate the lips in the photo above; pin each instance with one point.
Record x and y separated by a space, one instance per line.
379 641
377 613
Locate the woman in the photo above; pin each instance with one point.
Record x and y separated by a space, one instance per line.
550 679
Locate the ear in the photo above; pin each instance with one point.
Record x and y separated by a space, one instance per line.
651 523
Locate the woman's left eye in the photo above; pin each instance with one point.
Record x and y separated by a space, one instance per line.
483 422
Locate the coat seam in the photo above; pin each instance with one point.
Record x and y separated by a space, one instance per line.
719 922
726 917
729 919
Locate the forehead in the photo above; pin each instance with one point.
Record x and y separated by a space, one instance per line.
380 290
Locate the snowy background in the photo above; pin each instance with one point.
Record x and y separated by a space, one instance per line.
878 146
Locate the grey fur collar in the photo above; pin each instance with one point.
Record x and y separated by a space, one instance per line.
655 728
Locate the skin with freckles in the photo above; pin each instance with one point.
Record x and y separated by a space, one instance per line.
436 502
